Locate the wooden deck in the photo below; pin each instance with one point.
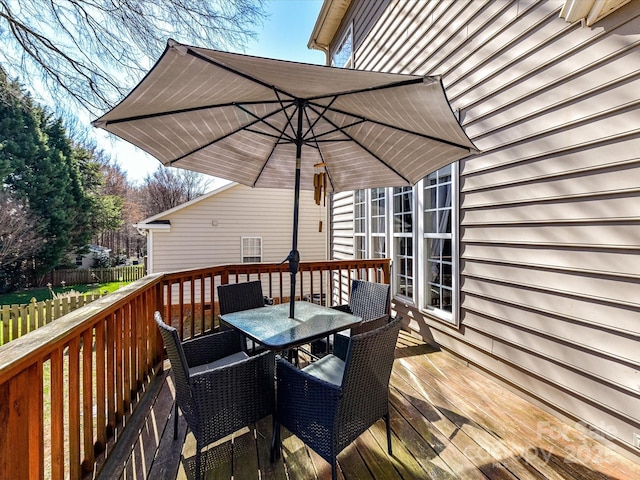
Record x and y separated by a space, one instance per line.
449 421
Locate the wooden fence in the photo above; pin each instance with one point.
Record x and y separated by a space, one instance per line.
96 275
18 320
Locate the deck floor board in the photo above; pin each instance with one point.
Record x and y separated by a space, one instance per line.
448 422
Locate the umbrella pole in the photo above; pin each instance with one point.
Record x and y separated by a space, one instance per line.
294 255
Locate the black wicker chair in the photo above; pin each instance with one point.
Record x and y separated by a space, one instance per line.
235 297
368 300
219 388
331 402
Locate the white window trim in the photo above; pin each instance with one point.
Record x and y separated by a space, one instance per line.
367 224
242 246
452 317
392 235
419 299
371 235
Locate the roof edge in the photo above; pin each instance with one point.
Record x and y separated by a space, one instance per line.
327 24
158 216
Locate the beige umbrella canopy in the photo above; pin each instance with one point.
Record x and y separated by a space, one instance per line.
270 123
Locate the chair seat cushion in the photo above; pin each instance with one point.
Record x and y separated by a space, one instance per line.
228 360
329 368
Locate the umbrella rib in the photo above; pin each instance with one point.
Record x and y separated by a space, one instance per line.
320 115
289 118
185 110
263 119
202 147
401 83
370 152
264 165
239 73
314 138
400 129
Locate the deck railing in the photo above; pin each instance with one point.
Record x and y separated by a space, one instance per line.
67 389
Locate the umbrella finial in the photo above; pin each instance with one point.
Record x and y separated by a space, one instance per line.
178 47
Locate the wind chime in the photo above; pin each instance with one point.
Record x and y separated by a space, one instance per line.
320 184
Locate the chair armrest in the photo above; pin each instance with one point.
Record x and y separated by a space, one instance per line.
211 347
304 399
341 342
297 386
340 346
369 325
343 308
236 385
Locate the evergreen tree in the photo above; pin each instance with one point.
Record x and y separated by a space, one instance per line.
42 168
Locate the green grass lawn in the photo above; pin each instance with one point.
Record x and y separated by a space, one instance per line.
40 294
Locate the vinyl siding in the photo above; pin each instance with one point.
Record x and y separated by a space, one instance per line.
550 210
209 232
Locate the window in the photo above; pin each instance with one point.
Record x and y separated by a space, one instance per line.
424 247
403 239
378 223
343 56
251 249
440 211
360 223
79 261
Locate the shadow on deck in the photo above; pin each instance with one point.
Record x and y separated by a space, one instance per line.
449 421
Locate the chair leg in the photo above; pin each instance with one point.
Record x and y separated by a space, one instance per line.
334 470
175 420
388 422
275 440
198 461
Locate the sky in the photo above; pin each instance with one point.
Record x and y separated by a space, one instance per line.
284 35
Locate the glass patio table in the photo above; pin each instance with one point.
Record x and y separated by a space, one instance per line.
271 326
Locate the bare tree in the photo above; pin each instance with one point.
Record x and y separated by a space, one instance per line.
169 187
94 51
19 238
126 239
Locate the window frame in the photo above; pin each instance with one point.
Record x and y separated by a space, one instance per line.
378 216
419 237
348 63
452 316
242 249
360 226
403 236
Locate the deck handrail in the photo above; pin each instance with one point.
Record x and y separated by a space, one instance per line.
89 392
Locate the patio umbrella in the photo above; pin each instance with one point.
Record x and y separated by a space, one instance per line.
272 123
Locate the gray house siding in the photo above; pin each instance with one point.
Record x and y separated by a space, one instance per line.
550 211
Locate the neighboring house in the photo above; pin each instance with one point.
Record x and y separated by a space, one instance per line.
524 260
94 251
233 224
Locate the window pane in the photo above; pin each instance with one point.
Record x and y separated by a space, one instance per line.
342 56
404 266
251 249
359 223
379 246
402 210
439 202
378 213
360 247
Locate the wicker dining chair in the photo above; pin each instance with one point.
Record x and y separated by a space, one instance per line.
331 402
367 300
218 387
235 297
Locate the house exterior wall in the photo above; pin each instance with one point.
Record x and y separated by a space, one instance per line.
209 232
549 211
